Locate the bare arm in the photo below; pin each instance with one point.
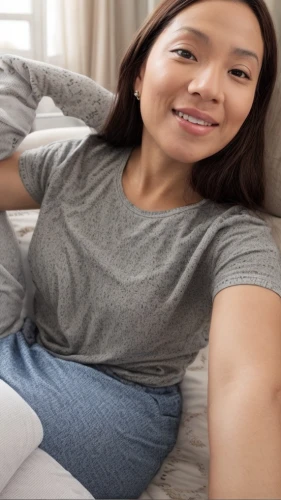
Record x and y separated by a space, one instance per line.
13 195
244 394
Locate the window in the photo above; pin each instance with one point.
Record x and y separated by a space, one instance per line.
31 29
22 28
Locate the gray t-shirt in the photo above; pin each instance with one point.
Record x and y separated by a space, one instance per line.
128 288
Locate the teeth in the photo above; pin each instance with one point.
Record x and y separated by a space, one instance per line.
191 119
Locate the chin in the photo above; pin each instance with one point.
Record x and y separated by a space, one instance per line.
187 155
187 159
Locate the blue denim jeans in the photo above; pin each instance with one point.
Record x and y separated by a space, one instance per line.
110 434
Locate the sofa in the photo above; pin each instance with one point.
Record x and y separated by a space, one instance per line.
34 474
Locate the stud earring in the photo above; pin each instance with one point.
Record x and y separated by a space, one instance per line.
137 95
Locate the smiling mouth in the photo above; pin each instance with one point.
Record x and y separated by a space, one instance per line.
192 119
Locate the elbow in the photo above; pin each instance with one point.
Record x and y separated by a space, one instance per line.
245 399
248 387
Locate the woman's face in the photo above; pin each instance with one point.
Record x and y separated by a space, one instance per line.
206 62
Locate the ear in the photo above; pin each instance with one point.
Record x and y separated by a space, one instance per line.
140 78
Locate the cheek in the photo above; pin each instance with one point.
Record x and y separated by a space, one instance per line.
153 100
240 109
237 111
158 82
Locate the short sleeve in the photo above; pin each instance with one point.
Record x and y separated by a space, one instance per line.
36 166
245 253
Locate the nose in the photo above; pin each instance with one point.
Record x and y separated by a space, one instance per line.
207 82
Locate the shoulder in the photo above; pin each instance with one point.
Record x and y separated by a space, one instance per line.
243 251
238 215
70 150
236 222
92 146
232 231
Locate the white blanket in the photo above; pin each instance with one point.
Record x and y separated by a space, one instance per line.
26 471
21 432
40 477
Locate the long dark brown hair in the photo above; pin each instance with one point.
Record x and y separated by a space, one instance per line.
234 175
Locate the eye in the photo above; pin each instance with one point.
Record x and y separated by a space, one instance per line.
240 74
185 54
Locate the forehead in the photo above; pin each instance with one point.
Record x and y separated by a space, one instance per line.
230 20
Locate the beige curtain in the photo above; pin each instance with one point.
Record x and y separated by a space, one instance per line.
275 9
91 36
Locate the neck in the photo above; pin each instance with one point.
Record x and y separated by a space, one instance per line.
153 177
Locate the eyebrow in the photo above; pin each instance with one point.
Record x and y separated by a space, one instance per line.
237 51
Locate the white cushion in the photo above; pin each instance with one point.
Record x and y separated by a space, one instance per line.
43 137
25 470
42 477
21 432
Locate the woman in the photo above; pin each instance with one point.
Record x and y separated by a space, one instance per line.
143 252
